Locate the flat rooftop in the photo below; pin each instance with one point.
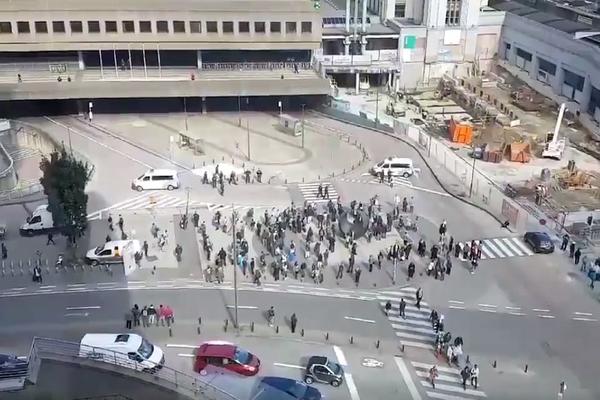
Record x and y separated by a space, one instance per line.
157 5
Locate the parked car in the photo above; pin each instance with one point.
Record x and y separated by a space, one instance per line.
321 369
540 242
227 356
278 388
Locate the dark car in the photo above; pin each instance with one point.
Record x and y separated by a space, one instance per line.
277 388
321 369
540 242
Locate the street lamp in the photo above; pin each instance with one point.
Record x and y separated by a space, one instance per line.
239 111
248 136
303 105
70 145
187 203
234 218
377 107
185 116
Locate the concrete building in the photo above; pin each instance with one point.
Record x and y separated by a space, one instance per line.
406 43
557 56
156 48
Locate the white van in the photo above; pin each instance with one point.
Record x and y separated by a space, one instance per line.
112 252
40 221
156 179
125 349
398 166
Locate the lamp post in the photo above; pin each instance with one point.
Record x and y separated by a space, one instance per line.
185 116
248 136
234 217
70 145
303 105
239 111
377 107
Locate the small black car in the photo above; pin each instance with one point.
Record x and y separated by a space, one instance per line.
540 242
321 369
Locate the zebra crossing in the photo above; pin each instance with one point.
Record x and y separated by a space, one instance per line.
310 190
448 384
148 201
396 180
18 154
212 207
501 248
415 330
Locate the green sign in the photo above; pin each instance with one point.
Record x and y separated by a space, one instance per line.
410 42
317 5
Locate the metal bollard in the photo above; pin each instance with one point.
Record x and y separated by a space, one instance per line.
252 326
351 339
377 345
223 158
402 348
327 337
226 324
204 163
319 178
302 179
199 320
286 181
302 332
526 368
277 329
468 360
495 364
213 160
198 330
170 332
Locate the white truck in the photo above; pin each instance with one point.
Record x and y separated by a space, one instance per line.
123 349
39 222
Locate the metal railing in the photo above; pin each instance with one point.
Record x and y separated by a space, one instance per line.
192 386
19 371
253 66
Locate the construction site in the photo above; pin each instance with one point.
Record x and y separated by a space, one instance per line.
525 143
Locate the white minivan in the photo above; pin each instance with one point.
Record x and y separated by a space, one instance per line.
156 179
125 349
40 221
398 166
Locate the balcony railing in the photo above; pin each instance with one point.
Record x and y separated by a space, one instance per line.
371 57
255 66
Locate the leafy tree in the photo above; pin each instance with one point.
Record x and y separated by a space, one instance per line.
64 182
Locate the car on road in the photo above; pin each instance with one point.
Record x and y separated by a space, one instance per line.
321 369
39 222
113 252
540 242
156 179
278 388
225 355
396 165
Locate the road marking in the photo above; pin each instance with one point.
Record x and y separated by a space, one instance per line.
540 310
584 319
517 313
410 384
243 307
456 301
108 284
370 321
182 346
187 355
439 368
456 307
16 289
546 316
487 305
288 365
513 308
83 308
76 285
351 386
449 388
443 396
77 314
583 313
340 356
81 289
51 287
488 310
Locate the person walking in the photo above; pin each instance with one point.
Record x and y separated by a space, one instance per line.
128 319
357 276
195 219
110 223
293 322
433 374
465 374
411 270
475 376
161 315
565 242
136 315
402 308
145 248
419 297
388 307
152 315
572 249
4 251
145 323
577 255
50 239
121 222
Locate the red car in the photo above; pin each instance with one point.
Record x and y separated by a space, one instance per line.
225 355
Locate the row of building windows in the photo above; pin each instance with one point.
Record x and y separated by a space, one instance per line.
159 27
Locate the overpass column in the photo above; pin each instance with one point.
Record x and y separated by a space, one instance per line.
558 80
203 105
535 65
586 95
357 83
199 59
80 59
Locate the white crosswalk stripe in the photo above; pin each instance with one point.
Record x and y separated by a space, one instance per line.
148 201
415 330
258 210
396 180
23 153
501 248
448 384
310 191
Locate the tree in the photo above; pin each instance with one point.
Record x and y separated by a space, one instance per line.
64 182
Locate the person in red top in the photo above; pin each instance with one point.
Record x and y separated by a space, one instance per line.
168 315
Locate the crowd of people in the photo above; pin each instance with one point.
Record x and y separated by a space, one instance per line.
148 316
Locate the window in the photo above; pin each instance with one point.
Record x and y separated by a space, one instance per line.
162 26
306 27
23 27
453 12
574 80
290 27
547 66
76 26
58 26
400 10
145 27
227 27
195 26
275 26
93 26
41 27
110 26
244 27
128 26
524 54
5 27
179 26
259 27
211 26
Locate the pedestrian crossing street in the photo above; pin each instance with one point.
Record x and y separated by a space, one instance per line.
501 248
416 329
396 180
310 190
448 385
18 154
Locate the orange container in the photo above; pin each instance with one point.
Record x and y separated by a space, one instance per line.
460 132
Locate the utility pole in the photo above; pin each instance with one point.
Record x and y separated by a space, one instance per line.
303 105
377 107
185 116
472 173
70 145
187 203
248 136
235 268
239 111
